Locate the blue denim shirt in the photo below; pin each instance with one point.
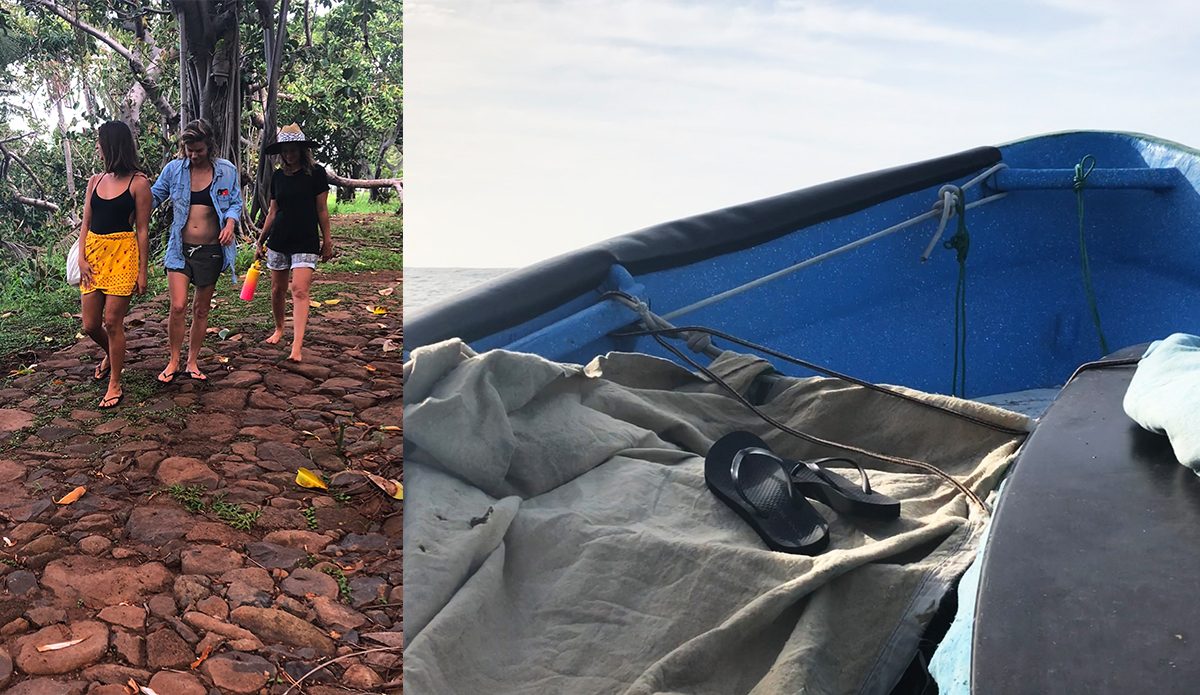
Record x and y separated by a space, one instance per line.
175 182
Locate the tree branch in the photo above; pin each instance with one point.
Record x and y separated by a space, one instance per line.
140 72
8 154
35 202
397 184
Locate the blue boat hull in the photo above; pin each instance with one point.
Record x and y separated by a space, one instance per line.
877 312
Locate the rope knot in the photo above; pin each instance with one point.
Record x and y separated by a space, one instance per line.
1081 173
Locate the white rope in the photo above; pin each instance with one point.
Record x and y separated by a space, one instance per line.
945 208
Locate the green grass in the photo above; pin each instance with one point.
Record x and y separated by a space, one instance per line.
340 578
361 204
192 498
368 258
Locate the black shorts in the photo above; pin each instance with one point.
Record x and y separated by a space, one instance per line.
202 264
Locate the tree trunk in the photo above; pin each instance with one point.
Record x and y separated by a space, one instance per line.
209 51
66 143
275 37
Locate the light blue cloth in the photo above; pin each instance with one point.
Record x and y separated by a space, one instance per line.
175 182
951 663
1164 394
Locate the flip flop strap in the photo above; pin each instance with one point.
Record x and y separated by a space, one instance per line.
735 471
821 473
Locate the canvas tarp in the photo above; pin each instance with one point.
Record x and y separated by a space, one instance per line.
559 537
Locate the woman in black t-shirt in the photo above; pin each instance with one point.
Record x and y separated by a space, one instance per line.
296 231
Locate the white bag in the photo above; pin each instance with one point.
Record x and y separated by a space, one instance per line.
73 264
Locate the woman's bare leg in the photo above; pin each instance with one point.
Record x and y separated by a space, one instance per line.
177 286
92 305
115 309
279 288
201 305
301 281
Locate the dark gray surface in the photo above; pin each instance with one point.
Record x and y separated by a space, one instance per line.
1091 573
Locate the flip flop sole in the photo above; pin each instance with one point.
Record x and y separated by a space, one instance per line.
791 524
846 497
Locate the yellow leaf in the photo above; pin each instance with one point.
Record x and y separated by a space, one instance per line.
387 291
310 434
306 478
47 338
72 495
359 263
59 645
389 428
223 360
79 336
315 305
331 302
4 316
376 310
369 368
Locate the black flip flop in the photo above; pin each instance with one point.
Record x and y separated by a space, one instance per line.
743 473
114 403
193 376
838 493
102 374
170 377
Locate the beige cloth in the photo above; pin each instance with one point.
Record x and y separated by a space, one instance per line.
559 537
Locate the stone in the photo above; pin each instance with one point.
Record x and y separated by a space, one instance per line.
10 471
27 531
94 545
361 677
388 414
76 656
238 672
224 400
366 544
256 577
52 433
271 556
190 588
333 614
154 526
46 615
396 596
110 426
47 686
43 544
305 582
240 593
6 667
217 427
200 621
176 683
291 605
240 379
21 583
273 433
285 384
264 400
308 541
108 674
214 606
166 649
255 417
101 582
210 560
132 617
14 420
214 532
364 590
162 606
187 472
14 627
184 631
272 625
129 646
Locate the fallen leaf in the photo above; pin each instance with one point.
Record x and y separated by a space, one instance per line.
134 323
210 329
393 488
310 434
376 310
222 360
203 656
4 316
306 478
47 338
8 543
315 305
390 428
359 263
60 645
78 336
387 291
369 368
236 337
331 302
382 325
389 346
72 495
66 315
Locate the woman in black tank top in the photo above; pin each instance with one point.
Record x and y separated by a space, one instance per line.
114 245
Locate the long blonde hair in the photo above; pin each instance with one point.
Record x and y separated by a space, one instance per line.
306 159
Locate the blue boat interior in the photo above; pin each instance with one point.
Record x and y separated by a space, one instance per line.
877 311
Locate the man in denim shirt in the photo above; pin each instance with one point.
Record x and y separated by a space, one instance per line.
208 203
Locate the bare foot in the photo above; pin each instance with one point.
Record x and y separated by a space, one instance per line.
274 338
295 356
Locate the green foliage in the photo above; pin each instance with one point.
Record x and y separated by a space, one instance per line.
192 498
233 515
310 516
340 578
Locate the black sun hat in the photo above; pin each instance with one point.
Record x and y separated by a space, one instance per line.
290 134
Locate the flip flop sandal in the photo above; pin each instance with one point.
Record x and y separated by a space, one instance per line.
170 377
197 375
112 405
838 493
102 374
743 473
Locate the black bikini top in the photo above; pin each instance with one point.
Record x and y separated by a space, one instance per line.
112 215
203 197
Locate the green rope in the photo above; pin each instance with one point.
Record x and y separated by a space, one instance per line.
1081 175
960 242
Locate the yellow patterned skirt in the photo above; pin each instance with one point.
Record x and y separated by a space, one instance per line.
114 261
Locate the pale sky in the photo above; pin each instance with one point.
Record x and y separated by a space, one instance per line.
535 127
